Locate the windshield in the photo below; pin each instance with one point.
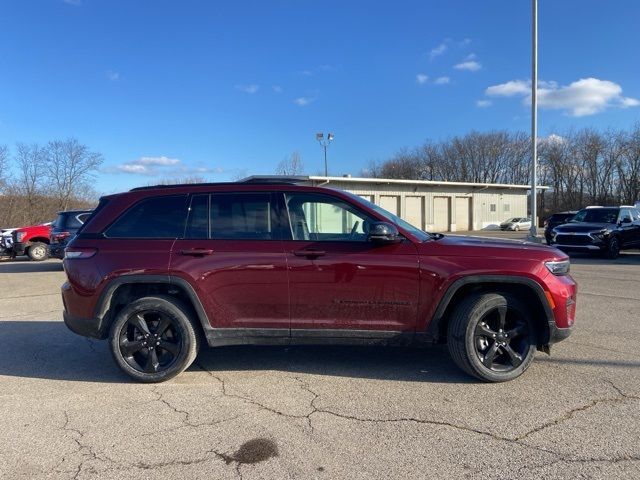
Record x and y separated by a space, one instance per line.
596 215
420 234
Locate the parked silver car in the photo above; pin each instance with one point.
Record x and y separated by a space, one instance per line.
515 224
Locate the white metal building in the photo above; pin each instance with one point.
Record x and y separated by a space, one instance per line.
438 206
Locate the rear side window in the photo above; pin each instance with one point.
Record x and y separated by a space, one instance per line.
240 216
198 222
74 220
158 217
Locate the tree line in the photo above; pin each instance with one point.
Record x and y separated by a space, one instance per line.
38 180
580 167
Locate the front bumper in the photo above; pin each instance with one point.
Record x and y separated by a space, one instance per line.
19 248
557 334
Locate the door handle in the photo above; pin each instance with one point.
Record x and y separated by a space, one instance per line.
196 252
309 253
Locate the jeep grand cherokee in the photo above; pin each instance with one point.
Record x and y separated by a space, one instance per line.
160 270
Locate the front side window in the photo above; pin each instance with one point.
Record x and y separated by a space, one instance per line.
625 215
242 216
157 217
323 218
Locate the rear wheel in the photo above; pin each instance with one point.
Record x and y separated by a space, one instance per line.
492 337
153 340
613 248
38 251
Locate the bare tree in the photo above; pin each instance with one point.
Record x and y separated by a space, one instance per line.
69 167
4 167
291 165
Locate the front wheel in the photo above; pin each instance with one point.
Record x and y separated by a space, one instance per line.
38 251
613 249
153 340
492 337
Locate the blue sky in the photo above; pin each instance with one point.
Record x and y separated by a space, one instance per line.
222 89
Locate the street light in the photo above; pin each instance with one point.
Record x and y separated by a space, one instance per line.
324 143
533 232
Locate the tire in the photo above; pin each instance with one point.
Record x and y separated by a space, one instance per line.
132 341
38 251
475 331
516 228
613 249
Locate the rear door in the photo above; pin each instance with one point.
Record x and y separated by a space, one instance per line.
339 281
231 252
626 227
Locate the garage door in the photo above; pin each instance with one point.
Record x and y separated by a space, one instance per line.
441 214
414 211
390 203
463 220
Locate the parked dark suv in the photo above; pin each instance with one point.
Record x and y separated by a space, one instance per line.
64 228
606 230
554 220
159 270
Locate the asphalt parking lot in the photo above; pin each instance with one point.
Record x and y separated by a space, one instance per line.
320 412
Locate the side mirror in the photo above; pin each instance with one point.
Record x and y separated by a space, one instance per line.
383 232
626 220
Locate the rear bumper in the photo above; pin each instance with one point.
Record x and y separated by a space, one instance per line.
87 327
56 250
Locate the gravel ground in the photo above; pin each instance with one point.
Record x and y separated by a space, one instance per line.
320 412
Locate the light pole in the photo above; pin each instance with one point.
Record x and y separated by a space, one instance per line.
324 143
533 232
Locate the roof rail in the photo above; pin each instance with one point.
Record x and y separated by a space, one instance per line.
275 179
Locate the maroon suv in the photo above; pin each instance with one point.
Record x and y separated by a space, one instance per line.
157 270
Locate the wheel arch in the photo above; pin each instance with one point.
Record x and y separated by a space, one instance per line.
33 240
120 291
524 287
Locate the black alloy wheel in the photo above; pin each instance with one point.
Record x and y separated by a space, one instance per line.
152 339
492 336
502 339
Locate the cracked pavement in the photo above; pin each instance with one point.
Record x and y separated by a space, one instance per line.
320 412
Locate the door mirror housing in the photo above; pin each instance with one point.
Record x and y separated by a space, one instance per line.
625 220
383 232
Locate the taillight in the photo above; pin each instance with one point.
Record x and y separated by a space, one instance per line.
59 236
79 252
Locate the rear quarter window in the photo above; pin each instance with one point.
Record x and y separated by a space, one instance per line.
157 217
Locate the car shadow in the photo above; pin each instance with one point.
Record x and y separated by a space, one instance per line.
48 350
28 266
625 258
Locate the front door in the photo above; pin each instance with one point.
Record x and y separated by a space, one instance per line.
232 255
338 279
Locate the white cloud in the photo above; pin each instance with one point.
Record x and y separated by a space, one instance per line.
583 97
113 76
442 80
250 89
277 89
553 139
421 78
164 161
483 103
303 101
469 65
161 167
464 42
509 89
437 51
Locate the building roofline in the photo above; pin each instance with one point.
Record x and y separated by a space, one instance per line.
433 183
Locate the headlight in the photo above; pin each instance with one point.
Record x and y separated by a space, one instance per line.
20 236
558 267
602 234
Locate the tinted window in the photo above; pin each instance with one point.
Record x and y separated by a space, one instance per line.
75 220
324 218
597 215
198 222
625 215
159 217
239 216
635 214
